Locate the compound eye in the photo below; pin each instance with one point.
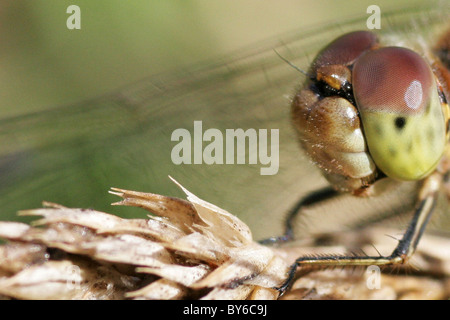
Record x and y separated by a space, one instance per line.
403 120
392 79
345 49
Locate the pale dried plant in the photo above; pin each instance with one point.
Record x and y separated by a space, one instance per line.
186 250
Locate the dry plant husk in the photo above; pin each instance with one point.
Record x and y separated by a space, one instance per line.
187 249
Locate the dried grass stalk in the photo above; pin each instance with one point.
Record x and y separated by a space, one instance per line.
185 250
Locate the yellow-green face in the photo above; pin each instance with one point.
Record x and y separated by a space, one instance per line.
401 112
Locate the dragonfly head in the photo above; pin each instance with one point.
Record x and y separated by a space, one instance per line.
370 112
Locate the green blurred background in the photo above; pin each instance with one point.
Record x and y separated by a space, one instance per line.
44 65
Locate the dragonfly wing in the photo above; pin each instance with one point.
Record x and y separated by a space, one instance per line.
73 154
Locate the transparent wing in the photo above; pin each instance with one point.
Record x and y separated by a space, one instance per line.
73 154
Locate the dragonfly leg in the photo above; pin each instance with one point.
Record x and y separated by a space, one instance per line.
427 199
311 199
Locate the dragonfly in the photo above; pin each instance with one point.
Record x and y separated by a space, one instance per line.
73 154
355 85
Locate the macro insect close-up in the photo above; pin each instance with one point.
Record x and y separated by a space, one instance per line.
339 137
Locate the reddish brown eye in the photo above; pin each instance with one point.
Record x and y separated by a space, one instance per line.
392 79
344 50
